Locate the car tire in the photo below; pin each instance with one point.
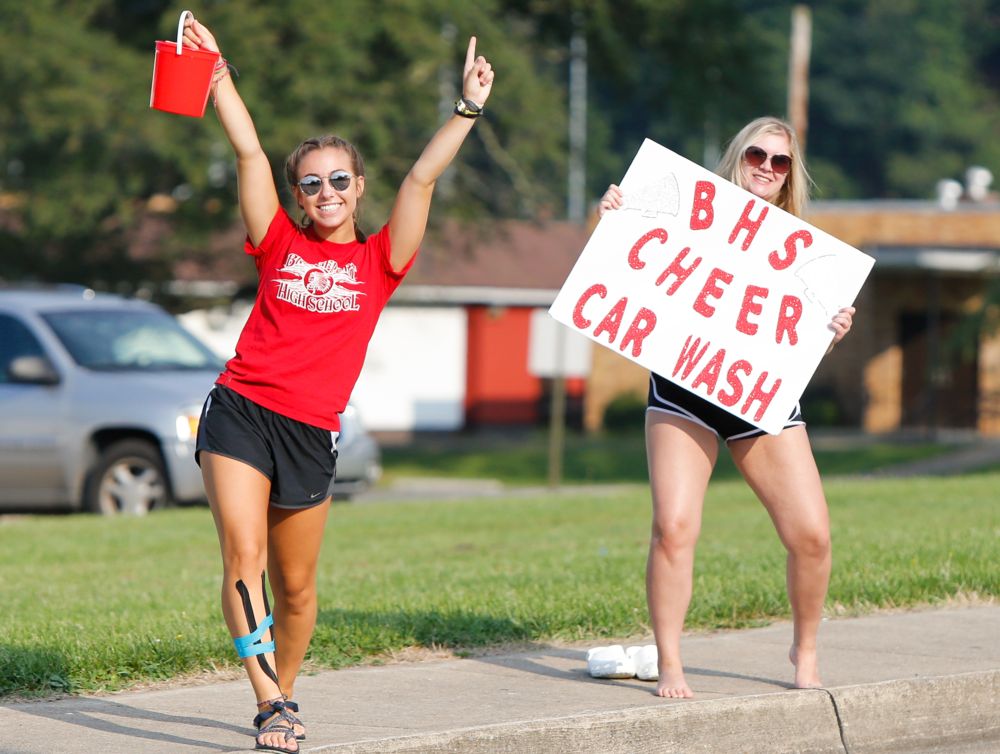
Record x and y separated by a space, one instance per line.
128 478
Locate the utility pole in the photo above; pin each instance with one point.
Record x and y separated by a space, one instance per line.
798 72
447 86
577 174
575 212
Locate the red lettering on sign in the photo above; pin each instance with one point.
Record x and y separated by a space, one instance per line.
702 213
750 306
612 321
691 356
780 263
788 317
595 290
688 358
749 225
678 269
633 256
731 399
711 289
642 325
710 374
758 394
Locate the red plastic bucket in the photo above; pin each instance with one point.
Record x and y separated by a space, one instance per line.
182 77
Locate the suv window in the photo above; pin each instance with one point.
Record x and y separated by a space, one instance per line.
16 340
129 340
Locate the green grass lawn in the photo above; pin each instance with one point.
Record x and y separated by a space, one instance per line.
522 458
93 604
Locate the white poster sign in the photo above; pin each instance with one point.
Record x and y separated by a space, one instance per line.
711 287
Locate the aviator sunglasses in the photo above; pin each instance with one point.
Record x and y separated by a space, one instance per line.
339 180
755 157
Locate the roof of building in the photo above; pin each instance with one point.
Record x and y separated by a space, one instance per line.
511 254
865 224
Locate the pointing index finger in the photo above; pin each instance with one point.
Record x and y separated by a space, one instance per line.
470 55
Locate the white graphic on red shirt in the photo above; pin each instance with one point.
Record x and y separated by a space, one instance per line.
319 287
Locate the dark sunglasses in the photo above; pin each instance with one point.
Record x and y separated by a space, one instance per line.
755 157
339 180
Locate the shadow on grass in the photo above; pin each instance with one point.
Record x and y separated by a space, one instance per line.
353 634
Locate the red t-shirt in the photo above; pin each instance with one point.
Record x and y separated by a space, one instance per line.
317 304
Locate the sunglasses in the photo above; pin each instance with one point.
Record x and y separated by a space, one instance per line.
339 180
755 157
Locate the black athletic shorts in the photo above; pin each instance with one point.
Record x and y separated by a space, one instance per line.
298 458
669 398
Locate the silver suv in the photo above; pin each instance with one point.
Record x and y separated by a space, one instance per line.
99 404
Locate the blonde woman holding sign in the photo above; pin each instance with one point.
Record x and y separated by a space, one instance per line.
267 438
682 445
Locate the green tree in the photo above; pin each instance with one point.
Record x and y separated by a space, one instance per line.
685 73
94 186
84 154
898 100
76 141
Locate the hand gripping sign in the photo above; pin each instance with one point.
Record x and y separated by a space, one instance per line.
711 287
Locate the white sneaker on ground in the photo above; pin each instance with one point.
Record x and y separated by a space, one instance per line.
610 662
645 661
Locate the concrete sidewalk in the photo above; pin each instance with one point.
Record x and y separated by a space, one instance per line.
926 681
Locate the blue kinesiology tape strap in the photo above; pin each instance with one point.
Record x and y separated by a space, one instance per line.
246 643
248 646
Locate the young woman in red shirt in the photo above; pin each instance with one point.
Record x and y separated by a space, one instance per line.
267 440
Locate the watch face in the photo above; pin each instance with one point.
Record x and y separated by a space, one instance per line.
467 107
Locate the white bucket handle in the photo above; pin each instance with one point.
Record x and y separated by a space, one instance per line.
180 29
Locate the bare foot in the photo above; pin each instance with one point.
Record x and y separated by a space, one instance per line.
806 668
672 684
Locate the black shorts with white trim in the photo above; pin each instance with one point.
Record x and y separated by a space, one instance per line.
666 397
299 459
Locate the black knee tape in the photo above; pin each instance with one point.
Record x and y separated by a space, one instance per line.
251 645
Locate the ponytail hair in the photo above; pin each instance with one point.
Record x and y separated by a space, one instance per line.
325 142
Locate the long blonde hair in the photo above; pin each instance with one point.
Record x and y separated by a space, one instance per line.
794 195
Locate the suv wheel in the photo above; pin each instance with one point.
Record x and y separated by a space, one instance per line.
128 478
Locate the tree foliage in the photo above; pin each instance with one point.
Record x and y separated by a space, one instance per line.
900 96
903 93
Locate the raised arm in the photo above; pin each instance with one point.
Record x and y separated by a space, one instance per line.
408 219
257 192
